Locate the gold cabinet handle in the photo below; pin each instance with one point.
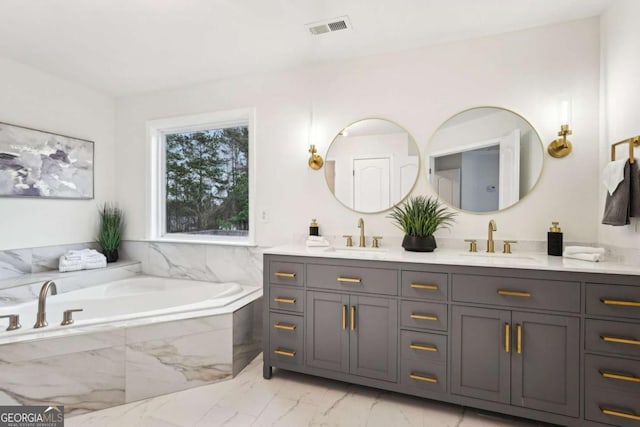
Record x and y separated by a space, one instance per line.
613 376
423 317
619 340
421 286
423 378
620 302
507 338
344 317
519 338
514 293
286 275
349 280
285 353
423 347
620 414
285 300
285 327
353 317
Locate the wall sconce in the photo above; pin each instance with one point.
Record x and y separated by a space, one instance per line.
562 147
315 160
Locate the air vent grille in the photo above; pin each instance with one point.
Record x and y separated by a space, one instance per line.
329 25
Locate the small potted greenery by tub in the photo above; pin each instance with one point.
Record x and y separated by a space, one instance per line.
419 217
110 233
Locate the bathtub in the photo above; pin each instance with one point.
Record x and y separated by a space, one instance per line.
112 303
135 338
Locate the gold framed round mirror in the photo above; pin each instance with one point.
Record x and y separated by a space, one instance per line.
372 165
484 159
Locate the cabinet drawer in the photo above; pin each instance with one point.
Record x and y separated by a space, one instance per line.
420 376
420 284
613 300
423 347
286 273
423 315
286 337
610 372
353 279
625 407
517 292
286 298
612 337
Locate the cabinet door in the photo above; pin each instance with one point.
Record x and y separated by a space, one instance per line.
545 366
327 336
481 353
374 337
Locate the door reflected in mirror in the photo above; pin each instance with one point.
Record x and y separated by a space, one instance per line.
372 165
484 159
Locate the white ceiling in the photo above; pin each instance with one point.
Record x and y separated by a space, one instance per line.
129 46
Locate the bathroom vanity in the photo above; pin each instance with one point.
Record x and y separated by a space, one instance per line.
548 339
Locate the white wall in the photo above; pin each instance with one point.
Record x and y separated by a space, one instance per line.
524 71
620 38
31 98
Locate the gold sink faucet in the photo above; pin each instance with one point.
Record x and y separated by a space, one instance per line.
41 321
362 243
492 228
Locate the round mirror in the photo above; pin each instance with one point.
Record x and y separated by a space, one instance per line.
372 165
484 159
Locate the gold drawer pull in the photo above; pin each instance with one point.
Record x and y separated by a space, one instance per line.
514 293
507 338
286 275
285 327
429 287
619 340
423 317
285 353
423 378
620 302
620 414
285 300
423 347
613 376
349 280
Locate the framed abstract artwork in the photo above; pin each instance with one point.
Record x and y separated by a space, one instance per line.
35 163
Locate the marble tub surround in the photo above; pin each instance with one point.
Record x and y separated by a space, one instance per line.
95 370
196 261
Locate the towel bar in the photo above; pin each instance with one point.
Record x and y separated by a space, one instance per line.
633 142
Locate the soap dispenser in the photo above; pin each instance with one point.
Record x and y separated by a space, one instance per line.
554 240
314 229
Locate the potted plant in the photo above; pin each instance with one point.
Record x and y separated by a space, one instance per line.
110 233
420 217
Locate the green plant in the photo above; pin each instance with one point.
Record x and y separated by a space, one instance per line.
420 216
111 225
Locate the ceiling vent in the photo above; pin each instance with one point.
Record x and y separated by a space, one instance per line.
329 25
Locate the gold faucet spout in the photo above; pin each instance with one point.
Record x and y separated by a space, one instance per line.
362 243
41 320
490 244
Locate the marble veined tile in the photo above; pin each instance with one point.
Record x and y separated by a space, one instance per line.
233 264
82 382
178 328
15 263
182 261
162 366
133 250
19 294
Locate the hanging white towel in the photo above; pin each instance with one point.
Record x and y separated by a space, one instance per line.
613 174
585 257
583 250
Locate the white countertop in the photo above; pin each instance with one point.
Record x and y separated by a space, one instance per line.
519 260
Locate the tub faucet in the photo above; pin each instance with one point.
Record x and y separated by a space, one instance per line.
41 321
362 243
492 228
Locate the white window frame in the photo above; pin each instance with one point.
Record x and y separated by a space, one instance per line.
156 172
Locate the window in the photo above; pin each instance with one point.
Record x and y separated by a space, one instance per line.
201 178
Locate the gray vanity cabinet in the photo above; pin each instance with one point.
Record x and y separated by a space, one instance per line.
352 334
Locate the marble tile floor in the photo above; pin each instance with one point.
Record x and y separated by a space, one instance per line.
288 399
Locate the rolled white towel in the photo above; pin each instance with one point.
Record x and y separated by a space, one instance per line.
95 264
583 250
322 242
585 256
65 265
82 254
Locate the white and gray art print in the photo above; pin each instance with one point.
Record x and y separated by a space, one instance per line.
34 163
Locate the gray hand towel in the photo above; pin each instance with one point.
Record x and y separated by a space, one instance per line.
634 194
617 206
